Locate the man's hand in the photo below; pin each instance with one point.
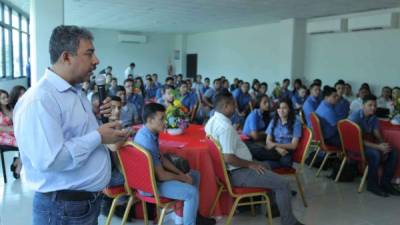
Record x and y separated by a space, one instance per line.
111 133
384 147
105 108
187 178
259 168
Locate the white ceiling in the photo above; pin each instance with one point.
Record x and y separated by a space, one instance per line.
177 16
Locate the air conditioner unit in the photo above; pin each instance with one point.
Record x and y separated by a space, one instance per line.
326 26
132 38
371 22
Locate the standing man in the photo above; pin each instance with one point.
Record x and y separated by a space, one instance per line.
130 70
60 141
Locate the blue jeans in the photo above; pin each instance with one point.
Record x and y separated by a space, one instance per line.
49 211
188 193
375 158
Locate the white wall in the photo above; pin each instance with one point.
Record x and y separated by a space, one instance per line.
247 53
9 84
357 57
151 57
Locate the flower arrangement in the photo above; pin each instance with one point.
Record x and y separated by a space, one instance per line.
177 115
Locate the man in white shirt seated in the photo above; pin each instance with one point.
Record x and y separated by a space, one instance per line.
243 171
385 101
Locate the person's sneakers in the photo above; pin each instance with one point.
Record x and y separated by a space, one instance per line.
390 190
378 191
275 211
201 220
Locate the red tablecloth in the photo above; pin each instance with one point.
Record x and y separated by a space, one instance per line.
391 134
192 146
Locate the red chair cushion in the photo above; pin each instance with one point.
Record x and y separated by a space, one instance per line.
248 190
151 199
331 148
285 170
114 191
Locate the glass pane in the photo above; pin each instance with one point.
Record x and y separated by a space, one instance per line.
15 19
1 52
8 52
1 12
24 53
24 24
6 14
16 55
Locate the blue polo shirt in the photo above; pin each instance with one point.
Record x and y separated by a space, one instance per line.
138 101
310 105
241 98
328 117
188 100
151 91
367 124
204 89
281 132
342 108
149 141
254 122
286 94
297 99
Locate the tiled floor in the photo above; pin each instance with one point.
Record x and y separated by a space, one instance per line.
329 204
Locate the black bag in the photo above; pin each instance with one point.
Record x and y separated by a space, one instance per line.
319 159
349 172
179 162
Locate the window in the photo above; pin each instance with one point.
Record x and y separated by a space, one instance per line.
14 42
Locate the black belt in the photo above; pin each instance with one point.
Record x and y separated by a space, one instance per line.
70 195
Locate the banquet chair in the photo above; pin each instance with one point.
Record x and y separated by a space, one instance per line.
299 156
115 193
138 169
5 148
318 136
353 148
237 193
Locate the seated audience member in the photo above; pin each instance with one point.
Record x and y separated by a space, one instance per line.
7 130
187 98
86 87
92 90
243 98
129 114
108 80
169 81
243 171
297 84
95 100
234 85
178 80
356 104
157 84
198 85
258 119
299 97
328 116
209 95
385 101
283 134
285 92
106 70
318 82
132 97
376 150
348 92
396 93
263 89
366 85
255 88
139 87
168 96
112 91
225 84
312 102
206 86
150 89
171 182
342 106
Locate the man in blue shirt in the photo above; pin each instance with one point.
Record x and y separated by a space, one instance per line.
243 98
172 183
285 92
299 97
328 117
186 97
60 141
256 123
312 102
150 88
133 98
342 106
376 149
129 114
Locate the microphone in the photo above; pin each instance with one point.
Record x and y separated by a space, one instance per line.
100 81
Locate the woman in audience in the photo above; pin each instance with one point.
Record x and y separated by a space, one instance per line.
356 104
225 84
328 116
283 134
258 119
255 86
299 97
139 86
342 106
297 84
7 131
168 97
16 93
263 89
